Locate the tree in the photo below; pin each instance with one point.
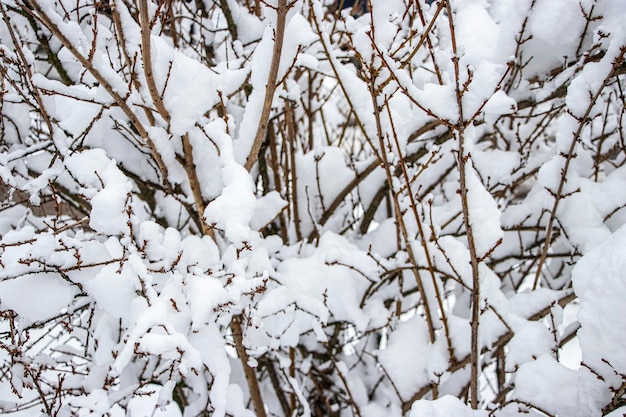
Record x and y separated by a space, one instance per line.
275 208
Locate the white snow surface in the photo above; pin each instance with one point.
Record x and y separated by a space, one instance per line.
48 296
444 407
233 210
412 370
600 282
484 215
549 385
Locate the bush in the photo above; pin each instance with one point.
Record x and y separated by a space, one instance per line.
279 208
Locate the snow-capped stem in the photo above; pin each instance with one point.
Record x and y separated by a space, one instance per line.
399 214
146 55
228 14
279 34
475 314
293 178
128 62
462 160
431 49
278 180
422 237
194 183
425 35
559 193
250 374
353 403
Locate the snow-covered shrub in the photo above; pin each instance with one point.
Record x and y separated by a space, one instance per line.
277 208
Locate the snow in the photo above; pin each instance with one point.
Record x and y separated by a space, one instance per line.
377 239
549 385
160 403
477 33
530 341
113 290
322 174
582 221
499 104
316 286
550 176
494 173
204 153
165 148
107 187
409 369
267 208
443 407
484 215
548 22
233 210
440 100
205 296
108 214
599 275
181 98
36 297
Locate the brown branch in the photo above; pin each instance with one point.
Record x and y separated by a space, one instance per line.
146 55
424 35
422 234
278 389
250 374
230 22
278 181
333 64
463 159
293 167
396 204
194 183
279 34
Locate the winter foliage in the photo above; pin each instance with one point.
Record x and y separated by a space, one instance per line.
279 208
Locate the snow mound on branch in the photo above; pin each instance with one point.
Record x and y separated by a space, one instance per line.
548 21
547 384
411 370
114 290
267 208
484 215
600 282
445 406
36 297
94 170
298 33
190 88
319 285
234 208
499 104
